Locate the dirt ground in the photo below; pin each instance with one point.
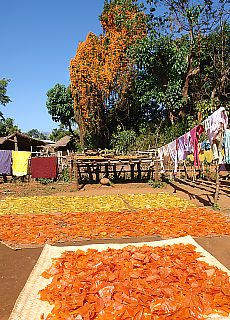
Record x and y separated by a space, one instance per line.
16 265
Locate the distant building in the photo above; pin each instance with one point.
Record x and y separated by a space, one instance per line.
21 142
65 145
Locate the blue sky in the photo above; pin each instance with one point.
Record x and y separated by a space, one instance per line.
38 39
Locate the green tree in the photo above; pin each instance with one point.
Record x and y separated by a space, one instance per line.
123 140
8 127
212 88
161 63
4 99
59 133
60 106
35 133
183 60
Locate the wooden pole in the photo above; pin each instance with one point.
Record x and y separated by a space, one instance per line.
185 170
217 185
106 170
71 169
115 171
132 170
97 172
156 176
15 143
76 174
139 170
89 172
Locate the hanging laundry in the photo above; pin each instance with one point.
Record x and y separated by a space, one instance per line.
20 162
166 151
161 156
195 133
161 153
217 147
44 167
182 153
5 161
224 167
208 156
205 145
172 147
227 146
215 123
187 143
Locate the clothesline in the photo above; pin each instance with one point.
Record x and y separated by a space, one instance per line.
17 163
216 128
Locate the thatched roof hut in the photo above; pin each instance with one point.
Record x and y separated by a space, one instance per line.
64 144
21 142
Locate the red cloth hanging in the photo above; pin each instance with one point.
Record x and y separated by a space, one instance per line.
45 167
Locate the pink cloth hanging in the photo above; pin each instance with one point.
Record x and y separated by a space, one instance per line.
194 134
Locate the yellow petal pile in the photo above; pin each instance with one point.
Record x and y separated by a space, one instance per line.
112 203
152 201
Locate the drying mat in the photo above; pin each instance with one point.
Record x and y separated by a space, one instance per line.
85 241
28 304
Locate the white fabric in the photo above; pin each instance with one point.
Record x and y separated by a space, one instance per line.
166 150
181 148
173 153
227 145
218 121
161 156
187 144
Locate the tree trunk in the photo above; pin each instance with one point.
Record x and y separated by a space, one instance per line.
78 119
191 71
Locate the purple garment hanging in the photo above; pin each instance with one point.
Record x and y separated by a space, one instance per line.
5 161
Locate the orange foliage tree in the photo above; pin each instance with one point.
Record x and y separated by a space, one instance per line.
101 73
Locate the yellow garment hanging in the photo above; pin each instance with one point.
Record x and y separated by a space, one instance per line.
20 162
208 156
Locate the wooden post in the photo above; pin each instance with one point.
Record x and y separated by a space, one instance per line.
193 168
88 165
97 173
202 168
149 171
106 170
168 169
71 169
132 170
76 174
115 171
217 184
185 171
15 143
156 176
138 170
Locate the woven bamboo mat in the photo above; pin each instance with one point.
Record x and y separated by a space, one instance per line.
28 305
